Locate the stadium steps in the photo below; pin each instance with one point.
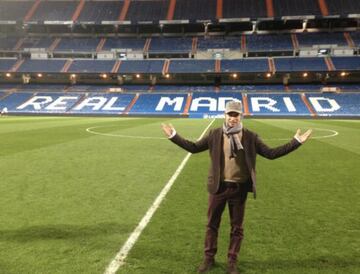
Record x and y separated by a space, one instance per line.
349 40
217 66
78 102
54 44
246 104
67 65
78 10
243 43
166 65
132 103
219 9
329 64
147 45
270 8
17 65
32 10
295 41
116 66
271 63
194 45
7 93
101 44
19 44
323 7
171 10
308 105
187 105
124 10
66 89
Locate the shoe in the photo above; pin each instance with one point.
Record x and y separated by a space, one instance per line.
232 269
206 265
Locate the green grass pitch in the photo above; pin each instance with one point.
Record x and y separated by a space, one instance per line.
70 198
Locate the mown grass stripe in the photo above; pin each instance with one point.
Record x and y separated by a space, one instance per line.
120 257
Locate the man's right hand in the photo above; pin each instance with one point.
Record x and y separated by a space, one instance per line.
168 129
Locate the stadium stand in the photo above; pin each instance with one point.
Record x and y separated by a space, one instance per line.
251 65
203 104
51 66
296 8
166 45
50 103
55 11
14 10
226 43
78 44
154 104
91 66
36 43
356 38
6 64
195 10
8 43
257 51
139 66
278 42
313 39
14 100
343 7
277 105
248 43
192 66
147 11
153 11
253 88
244 9
346 63
103 104
245 65
335 105
98 11
133 44
300 64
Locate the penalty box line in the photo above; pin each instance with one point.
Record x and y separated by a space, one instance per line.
120 257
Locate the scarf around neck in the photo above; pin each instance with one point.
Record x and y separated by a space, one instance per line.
235 135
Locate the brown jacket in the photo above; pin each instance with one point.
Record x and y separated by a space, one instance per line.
252 145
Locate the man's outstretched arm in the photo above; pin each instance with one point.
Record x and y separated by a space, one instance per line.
273 153
193 147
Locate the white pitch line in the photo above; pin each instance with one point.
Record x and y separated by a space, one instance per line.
333 134
120 257
91 130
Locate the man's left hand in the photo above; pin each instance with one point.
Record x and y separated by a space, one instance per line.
303 137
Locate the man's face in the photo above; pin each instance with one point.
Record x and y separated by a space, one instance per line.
232 119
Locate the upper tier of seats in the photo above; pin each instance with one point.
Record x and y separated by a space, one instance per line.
156 10
243 43
246 65
81 88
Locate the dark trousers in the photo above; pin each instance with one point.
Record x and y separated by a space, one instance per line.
235 196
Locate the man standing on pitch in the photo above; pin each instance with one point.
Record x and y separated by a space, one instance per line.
232 175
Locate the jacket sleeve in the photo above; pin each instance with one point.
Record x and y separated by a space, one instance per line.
273 153
193 147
